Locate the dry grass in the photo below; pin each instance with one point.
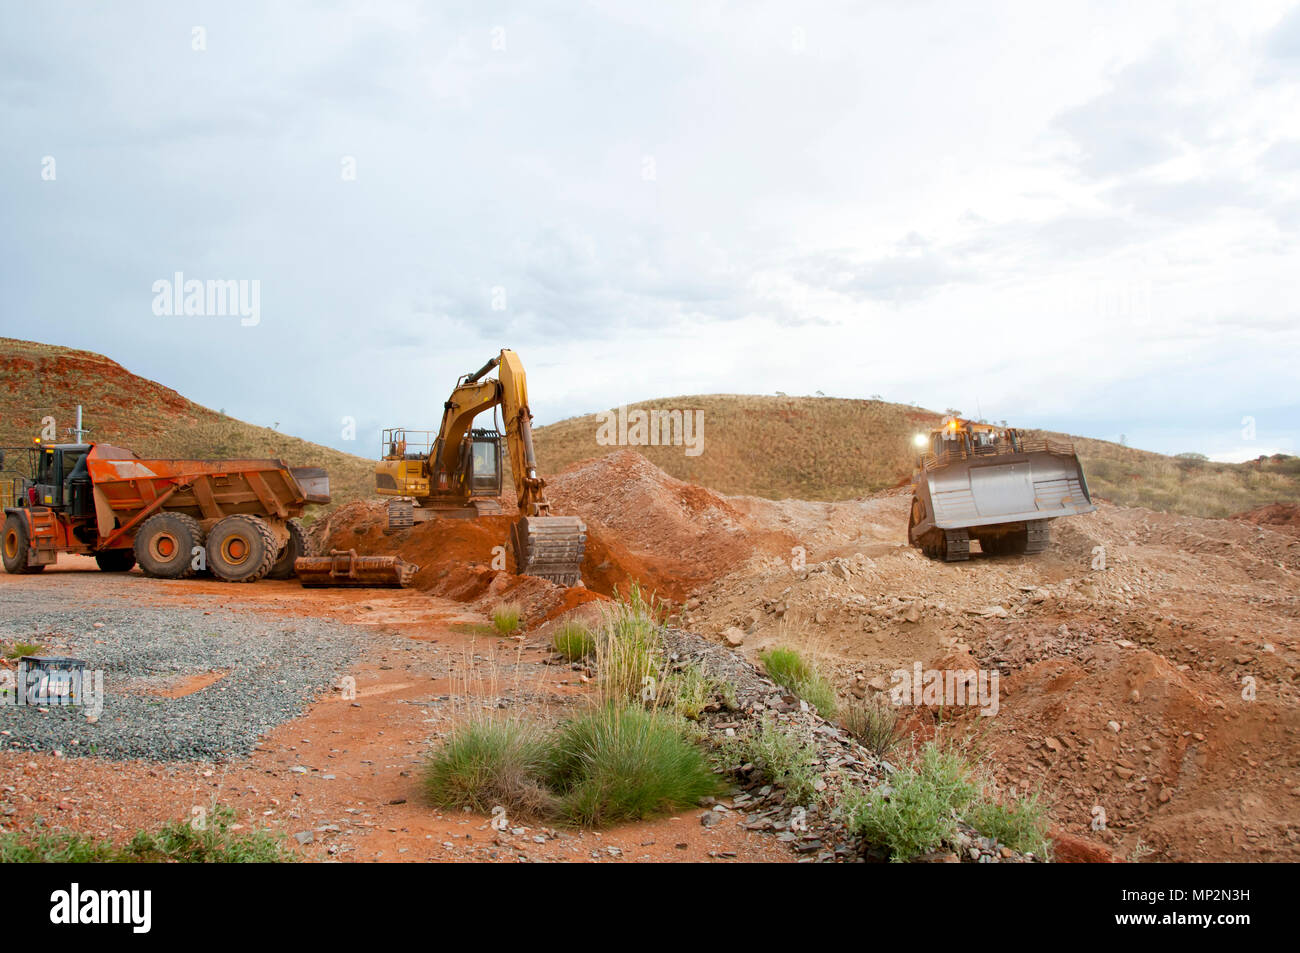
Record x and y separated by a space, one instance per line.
823 448
815 448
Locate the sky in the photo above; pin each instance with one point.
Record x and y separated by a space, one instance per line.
1081 217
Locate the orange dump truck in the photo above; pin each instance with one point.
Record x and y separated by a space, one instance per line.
174 518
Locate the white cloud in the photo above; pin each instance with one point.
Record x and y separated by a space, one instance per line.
1077 215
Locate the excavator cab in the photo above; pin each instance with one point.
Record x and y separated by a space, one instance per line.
482 462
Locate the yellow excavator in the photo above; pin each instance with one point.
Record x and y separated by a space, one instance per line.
455 472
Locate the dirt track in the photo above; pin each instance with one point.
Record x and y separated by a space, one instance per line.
427 660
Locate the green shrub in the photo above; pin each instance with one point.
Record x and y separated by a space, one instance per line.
490 762
505 618
784 759
919 810
788 668
690 692
18 649
178 842
574 641
622 763
1020 823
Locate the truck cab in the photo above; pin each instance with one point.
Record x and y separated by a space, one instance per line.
62 481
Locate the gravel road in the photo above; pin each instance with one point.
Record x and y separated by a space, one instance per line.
273 668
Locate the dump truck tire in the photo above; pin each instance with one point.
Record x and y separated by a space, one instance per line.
295 547
164 545
115 560
241 549
13 546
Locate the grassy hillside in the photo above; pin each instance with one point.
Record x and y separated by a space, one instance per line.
776 447
824 448
816 448
39 380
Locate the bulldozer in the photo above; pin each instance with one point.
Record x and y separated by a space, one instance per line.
456 472
993 484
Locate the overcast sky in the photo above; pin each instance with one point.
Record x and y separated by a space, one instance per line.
1084 217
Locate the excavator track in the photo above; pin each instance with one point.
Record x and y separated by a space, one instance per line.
551 547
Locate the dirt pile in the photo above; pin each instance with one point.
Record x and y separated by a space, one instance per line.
458 558
1149 664
647 526
1276 515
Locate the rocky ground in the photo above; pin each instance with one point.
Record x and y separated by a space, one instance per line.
1148 665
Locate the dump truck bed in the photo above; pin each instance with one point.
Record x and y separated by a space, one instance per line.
126 487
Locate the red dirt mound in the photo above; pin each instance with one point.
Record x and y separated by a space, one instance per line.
643 527
646 526
1275 515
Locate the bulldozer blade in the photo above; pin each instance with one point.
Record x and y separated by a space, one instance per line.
550 547
1022 487
344 568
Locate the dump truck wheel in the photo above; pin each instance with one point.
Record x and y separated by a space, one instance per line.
241 549
296 546
164 545
115 560
13 546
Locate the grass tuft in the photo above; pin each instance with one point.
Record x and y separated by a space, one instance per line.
628 650
505 618
788 668
575 641
1020 823
490 762
622 763
874 723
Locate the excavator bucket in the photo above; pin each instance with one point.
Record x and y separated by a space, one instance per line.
344 568
551 547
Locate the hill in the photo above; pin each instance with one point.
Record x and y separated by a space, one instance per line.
824 448
812 448
39 380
